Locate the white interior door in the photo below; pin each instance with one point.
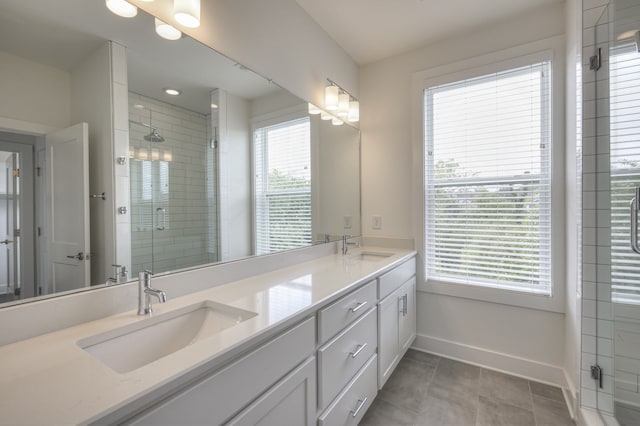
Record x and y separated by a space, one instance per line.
67 153
6 210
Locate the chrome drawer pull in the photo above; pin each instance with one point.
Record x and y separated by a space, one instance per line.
358 307
361 403
357 352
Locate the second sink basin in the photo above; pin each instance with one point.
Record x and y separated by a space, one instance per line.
370 256
130 347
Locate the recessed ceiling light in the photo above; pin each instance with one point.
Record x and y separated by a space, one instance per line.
172 92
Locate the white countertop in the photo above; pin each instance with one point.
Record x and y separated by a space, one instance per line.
49 379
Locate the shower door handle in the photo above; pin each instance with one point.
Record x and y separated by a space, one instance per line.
634 221
161 216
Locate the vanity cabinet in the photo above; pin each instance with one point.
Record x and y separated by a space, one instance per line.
274 373
396 317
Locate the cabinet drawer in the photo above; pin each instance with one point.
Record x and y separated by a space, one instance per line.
343 356
217 397
396 277
349 407
341 313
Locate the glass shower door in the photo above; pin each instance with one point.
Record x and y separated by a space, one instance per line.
624 175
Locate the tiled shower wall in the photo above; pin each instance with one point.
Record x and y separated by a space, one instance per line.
181 171
597 320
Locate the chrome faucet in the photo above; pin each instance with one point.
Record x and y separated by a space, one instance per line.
346 244
145 291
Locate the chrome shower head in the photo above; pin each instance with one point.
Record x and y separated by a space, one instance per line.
154 136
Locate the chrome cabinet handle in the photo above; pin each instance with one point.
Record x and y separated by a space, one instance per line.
361 402
405 304
634 221
358 306
357 352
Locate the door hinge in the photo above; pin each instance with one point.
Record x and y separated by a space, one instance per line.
39 231
38 171
595 61
596 374
16 232
16 172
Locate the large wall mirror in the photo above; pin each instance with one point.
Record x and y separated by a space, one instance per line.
105 174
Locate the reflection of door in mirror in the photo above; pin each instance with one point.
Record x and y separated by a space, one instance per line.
16 207
173 215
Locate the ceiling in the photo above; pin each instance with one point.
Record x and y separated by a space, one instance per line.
62 33
370 30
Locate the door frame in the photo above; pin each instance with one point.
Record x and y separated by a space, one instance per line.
25 145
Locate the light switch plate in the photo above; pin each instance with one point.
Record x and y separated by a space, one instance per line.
376 221
348 222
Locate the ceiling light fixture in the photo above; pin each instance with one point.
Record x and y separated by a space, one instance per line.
187 12
166 31
122 8
172 92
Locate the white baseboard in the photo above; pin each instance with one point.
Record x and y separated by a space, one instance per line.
516 366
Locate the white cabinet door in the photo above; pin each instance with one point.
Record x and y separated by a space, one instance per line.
388 349
407 316
292 401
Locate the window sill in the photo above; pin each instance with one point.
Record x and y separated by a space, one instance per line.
553 303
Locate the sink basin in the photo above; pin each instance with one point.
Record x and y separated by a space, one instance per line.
128 348
370 256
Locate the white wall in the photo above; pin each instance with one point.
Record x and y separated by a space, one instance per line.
573 194
523 341
275 38
34 93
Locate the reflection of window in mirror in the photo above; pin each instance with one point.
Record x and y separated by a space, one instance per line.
282 155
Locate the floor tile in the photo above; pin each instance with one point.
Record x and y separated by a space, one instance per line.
438 412
547 391
407 386
382 413
453 379
551 413
422 357
496 413
505 388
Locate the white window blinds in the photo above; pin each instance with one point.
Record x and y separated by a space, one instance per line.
282 186
625 169
487 173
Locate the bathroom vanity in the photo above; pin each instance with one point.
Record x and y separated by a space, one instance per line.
305 344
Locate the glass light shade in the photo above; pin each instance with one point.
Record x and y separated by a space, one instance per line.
343 104
155 154
336 121
122 8
167 156
314 109
187 12
325 116
354 112
331 98
143 154
165 30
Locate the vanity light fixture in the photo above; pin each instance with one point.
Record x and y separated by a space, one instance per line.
313 110
214 106
172 92
325 116
331 97
122 8
336 121
342 103
167 31
187 12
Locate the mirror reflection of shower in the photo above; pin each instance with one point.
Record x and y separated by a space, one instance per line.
172 174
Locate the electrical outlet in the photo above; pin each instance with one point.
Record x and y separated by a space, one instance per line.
376 221
348 221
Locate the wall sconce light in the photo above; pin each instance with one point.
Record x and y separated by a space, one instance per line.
336 121
331 97
187 12
325 116
166 31
343 104
122 8
354 111
313 110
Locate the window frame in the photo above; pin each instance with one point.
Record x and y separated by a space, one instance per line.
544 50
276 118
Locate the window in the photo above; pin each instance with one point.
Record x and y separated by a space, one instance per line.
282 185
487 145
625 170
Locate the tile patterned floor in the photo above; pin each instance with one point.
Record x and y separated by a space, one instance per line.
428 390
